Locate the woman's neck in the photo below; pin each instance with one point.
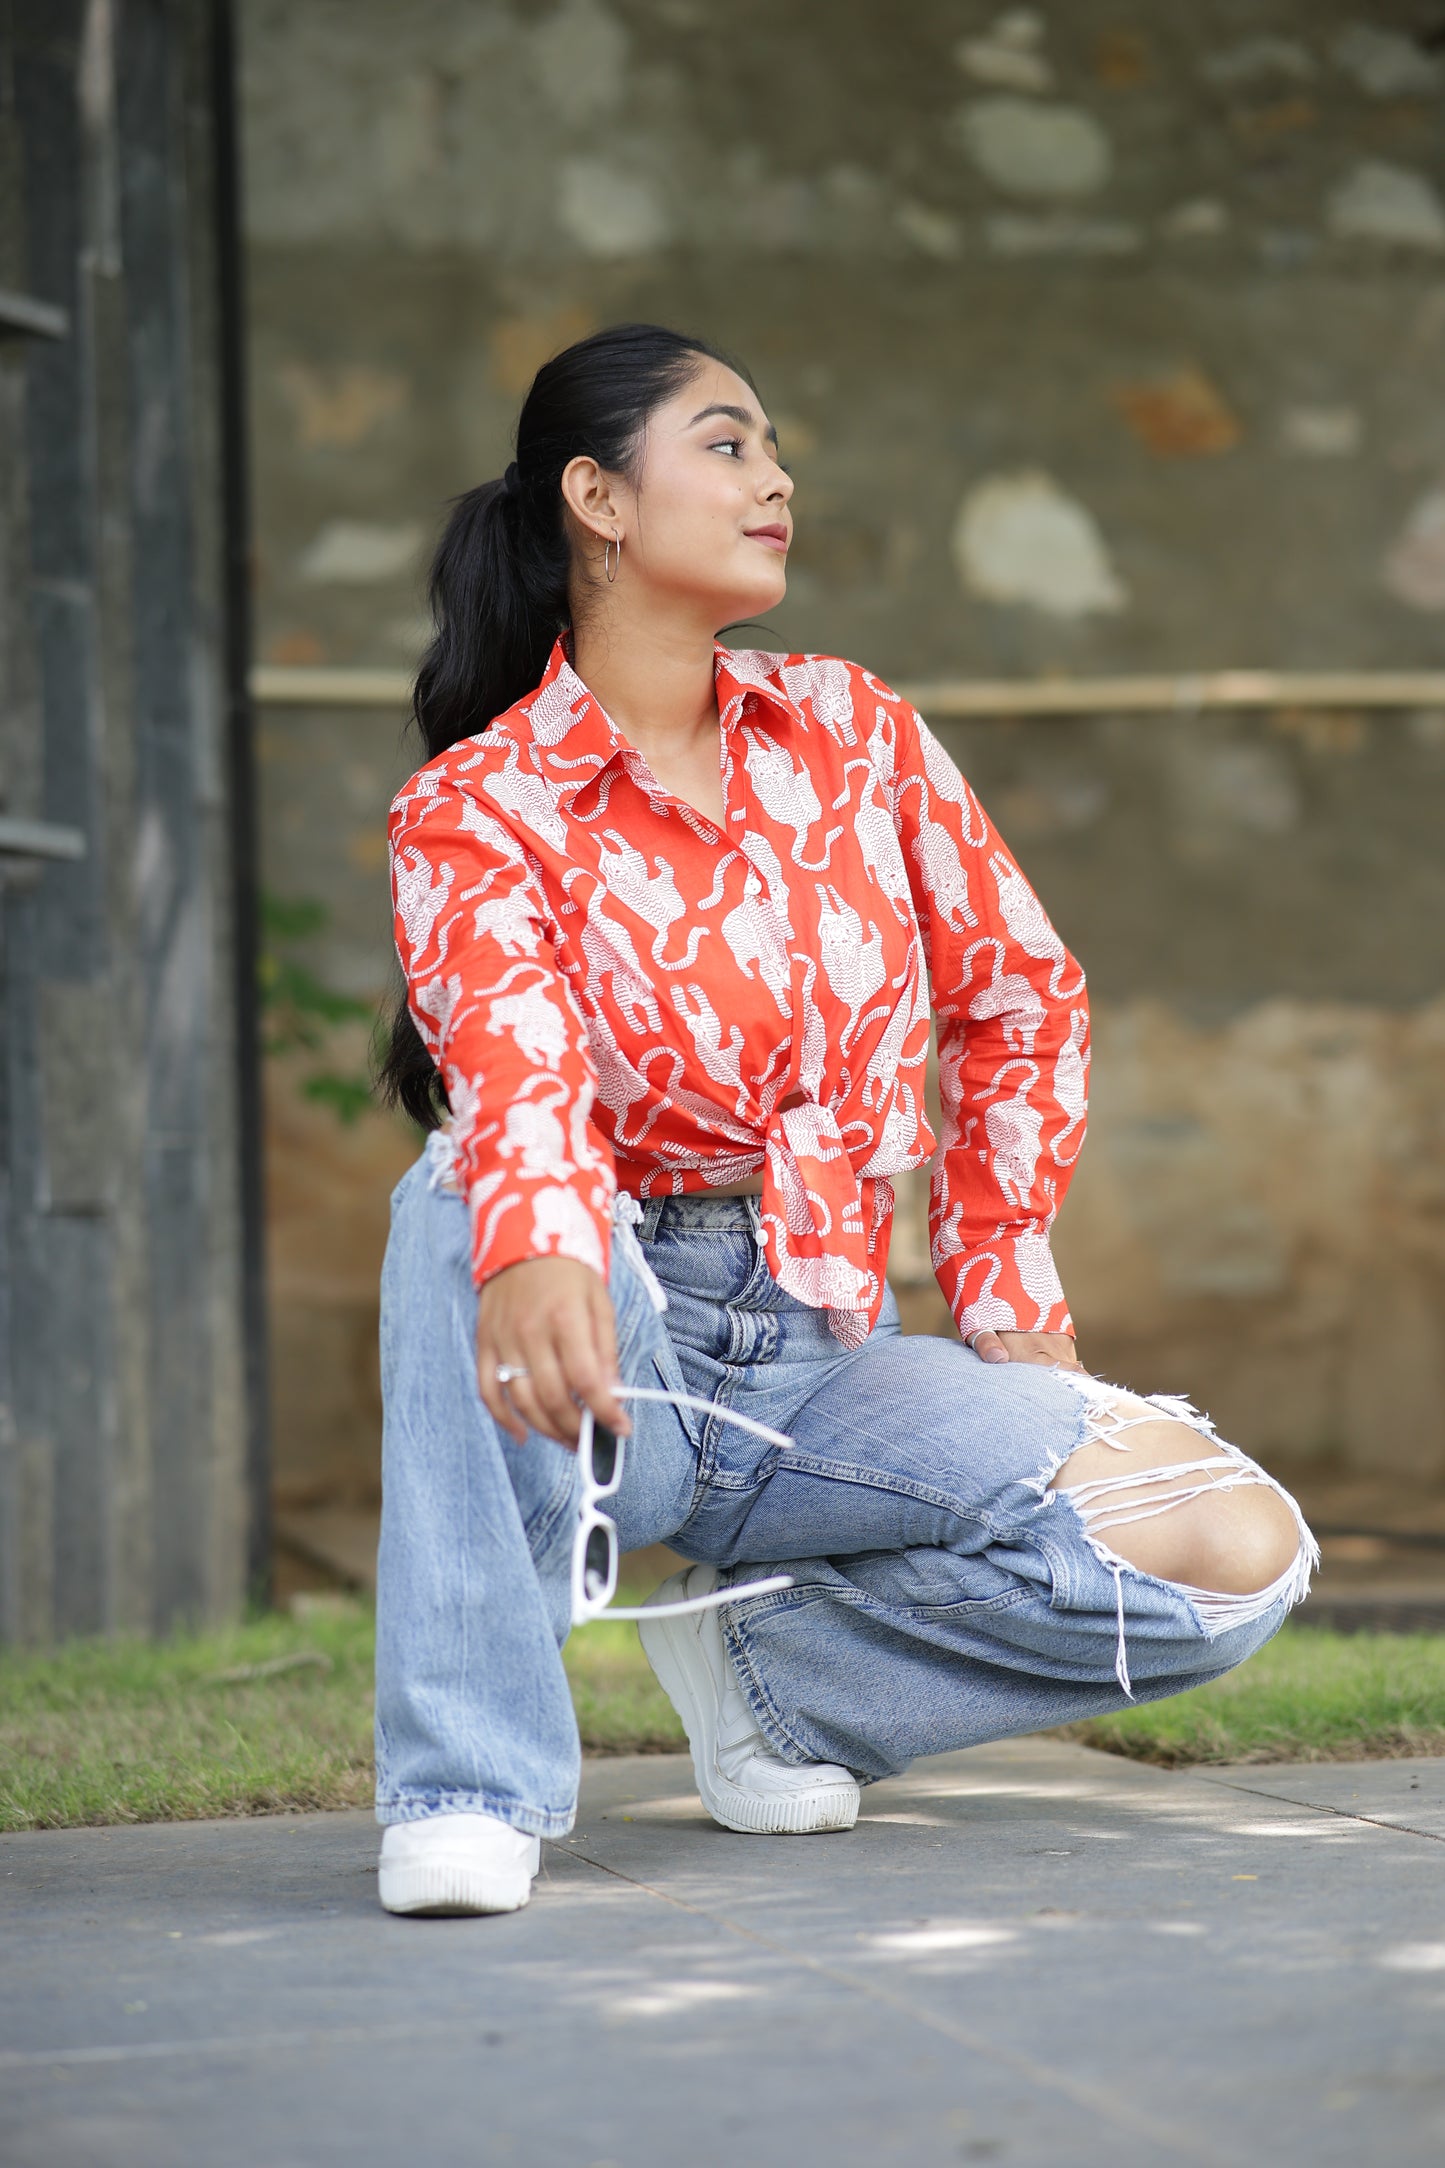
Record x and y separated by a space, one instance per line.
656 682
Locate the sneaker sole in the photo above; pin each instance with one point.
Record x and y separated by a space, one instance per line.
437 1890
671 1647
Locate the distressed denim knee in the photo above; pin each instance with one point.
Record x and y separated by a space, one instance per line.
1120 1500
947 1595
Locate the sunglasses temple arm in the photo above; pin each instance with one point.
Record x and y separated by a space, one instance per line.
701 1603
707 1407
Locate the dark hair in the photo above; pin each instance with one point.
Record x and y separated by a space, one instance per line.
499 581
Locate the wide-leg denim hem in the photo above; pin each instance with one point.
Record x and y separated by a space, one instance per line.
1219 1654
765 1715
424 1807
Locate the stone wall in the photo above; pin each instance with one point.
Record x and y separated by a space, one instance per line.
1100 341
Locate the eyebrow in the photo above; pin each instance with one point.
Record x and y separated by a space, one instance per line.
734 414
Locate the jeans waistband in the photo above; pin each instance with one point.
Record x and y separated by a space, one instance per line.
699 1212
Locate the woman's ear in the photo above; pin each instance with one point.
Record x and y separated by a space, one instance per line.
588 494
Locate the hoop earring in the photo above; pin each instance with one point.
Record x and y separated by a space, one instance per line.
609 562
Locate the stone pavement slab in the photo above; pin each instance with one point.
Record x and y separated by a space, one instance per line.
1400 1794
1027 1953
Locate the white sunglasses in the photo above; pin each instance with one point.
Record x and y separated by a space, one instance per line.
600 1455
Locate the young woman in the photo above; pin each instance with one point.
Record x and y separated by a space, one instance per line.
672 919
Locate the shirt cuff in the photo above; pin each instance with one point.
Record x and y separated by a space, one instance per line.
1007 1285
544 1219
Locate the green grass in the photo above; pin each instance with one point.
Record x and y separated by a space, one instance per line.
128 1731
135 1731
1307 1696
131 1731
620 1707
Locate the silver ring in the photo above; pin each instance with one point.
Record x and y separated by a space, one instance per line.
505 1372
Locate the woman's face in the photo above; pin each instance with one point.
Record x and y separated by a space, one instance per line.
708 522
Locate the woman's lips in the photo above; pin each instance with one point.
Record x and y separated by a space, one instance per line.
776 538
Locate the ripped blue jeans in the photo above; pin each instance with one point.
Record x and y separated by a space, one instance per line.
942 1593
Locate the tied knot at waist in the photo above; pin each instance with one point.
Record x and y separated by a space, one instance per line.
825 1226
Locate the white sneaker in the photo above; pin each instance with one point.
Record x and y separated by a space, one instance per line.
744 1784
456 1863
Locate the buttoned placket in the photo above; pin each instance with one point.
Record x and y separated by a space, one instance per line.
793 1086
705 829
736 770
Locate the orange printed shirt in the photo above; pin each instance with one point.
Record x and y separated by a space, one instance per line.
620 991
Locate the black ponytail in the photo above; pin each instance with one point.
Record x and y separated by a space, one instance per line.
499 580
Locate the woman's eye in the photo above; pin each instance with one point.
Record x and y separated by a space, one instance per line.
729 444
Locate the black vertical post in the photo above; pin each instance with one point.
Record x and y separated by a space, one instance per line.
132 1435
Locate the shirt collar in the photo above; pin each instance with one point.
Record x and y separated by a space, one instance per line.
747 679
576 738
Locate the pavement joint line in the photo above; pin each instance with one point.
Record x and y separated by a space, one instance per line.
1312 1806
1095 2099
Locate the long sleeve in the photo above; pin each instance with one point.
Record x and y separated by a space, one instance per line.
497 1016
1013 1048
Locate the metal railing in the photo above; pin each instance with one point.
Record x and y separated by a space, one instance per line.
39 839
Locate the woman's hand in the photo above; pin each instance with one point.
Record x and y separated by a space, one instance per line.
551 1317
1026 1347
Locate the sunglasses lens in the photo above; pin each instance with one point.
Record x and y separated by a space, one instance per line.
599 1563
606 1452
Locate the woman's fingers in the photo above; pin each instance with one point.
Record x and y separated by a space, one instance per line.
494 1394
537 1401
550 1318
543 1395
599 1390
568 1364
1045 1348
989 1348
581 1352
1026 1347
